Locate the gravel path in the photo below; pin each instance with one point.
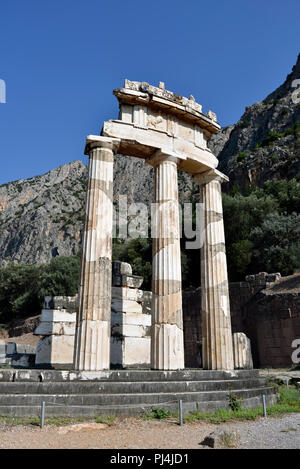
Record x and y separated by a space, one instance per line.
275 433
282 432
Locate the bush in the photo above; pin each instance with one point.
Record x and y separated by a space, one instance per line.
23 287
262 229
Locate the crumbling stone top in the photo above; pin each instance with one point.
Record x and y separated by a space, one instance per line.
135 92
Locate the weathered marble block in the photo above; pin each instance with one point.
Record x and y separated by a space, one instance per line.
131 319
55 350
126 293
55 315
69 303
2 347
126 306
132 352
132 281
242 351
131 330
130 324
58 327
55 328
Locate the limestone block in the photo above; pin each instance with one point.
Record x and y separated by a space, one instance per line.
2 348
55 315
24 360
70 303
132 281
125 293
130 351
250 278
242 351
25 349
221 439
131 330
126 306
121 268
56 328
137 351
11 348
273 277
131 319
55 349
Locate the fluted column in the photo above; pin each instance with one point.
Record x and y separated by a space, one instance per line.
167 350
217 348
92 341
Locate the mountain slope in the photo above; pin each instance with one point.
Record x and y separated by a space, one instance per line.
43 216
265 142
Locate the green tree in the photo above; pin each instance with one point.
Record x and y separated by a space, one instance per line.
276 244
23 286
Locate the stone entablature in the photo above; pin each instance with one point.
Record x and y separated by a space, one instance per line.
152 119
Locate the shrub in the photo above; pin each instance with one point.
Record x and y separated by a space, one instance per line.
235 402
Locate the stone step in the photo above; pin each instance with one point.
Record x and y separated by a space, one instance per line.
4 360
110 387
35 375
126 399
136 409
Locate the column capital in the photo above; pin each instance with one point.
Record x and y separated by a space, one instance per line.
94 141
208 176
159 156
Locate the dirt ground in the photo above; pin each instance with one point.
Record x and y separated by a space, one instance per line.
270 432
24 339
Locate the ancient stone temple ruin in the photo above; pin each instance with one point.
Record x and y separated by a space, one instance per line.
170 132
112 323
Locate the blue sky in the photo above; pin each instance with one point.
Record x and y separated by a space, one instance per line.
61 59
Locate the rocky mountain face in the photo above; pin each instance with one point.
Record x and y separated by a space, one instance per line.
43 216
265 143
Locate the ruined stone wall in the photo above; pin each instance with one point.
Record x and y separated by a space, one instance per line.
271 320
273 323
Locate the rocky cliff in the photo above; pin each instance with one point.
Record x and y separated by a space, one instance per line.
265 143
43 216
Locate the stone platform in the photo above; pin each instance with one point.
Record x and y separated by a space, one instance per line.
125 392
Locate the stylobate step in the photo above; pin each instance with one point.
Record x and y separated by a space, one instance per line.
126 387
124 410
121 399
122 375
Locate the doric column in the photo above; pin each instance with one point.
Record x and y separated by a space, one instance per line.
92 342
217 349
167 350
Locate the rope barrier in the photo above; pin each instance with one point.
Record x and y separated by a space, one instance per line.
102 407
117 405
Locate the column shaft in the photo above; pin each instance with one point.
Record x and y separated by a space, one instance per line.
167 350
92 344
215 308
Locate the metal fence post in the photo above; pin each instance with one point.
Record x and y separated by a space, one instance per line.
43 414
180 413
264 405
